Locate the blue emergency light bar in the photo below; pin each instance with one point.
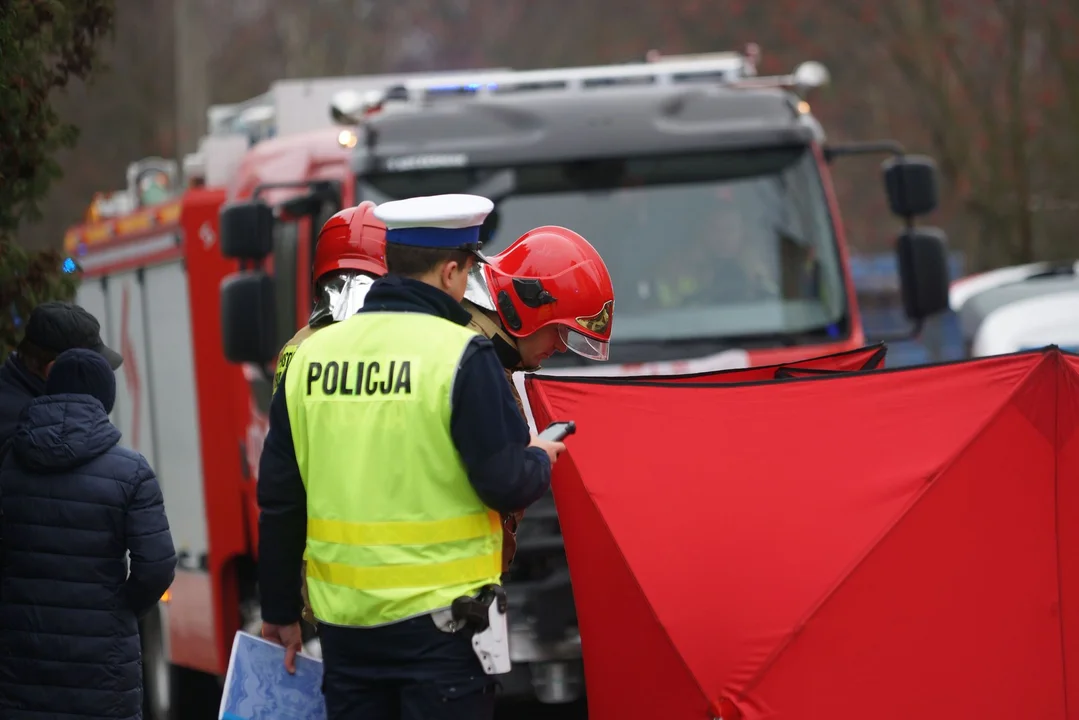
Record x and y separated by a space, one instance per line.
721 67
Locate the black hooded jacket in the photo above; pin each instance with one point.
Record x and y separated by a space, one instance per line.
74 504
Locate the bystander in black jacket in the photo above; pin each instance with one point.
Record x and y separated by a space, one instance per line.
52 328
74 505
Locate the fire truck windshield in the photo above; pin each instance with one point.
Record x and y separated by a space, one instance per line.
706 251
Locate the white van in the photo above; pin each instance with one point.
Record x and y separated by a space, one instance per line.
1019 308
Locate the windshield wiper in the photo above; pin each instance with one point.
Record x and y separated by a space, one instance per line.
723 341
729 342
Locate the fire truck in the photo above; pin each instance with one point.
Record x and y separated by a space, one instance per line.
679 169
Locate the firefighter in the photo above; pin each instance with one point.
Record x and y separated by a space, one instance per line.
349 254
393 447
507 296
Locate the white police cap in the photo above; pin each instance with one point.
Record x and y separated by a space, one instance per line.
437 221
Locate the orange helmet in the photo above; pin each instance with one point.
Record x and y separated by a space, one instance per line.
553 276
353 239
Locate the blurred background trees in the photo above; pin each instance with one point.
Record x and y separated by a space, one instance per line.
44 46
989 87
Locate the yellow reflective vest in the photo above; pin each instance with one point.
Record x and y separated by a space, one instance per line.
285 356
394 528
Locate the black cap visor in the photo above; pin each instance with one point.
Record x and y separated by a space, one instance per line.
114 358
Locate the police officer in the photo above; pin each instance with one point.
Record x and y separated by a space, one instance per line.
349 254
554 293
392 449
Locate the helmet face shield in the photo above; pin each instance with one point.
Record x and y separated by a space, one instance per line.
340 296
584 345
477 291
583 341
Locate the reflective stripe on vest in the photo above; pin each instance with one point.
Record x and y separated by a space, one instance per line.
394 527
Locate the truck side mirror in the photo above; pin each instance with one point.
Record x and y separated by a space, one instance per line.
911 184
317 193
307 204
922 257
247 230
249 318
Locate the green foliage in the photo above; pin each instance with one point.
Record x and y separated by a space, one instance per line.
26 280
44 44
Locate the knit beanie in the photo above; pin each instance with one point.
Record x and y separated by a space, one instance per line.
83 372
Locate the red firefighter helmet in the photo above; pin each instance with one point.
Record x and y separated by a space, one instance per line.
553 276
353 239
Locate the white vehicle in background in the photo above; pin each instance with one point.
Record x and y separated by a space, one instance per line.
1019 308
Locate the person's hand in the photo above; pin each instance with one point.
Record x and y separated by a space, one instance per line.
553 449
289 637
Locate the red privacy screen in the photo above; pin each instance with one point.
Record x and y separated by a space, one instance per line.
890 545
866 358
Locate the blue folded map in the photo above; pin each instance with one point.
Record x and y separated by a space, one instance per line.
257 686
